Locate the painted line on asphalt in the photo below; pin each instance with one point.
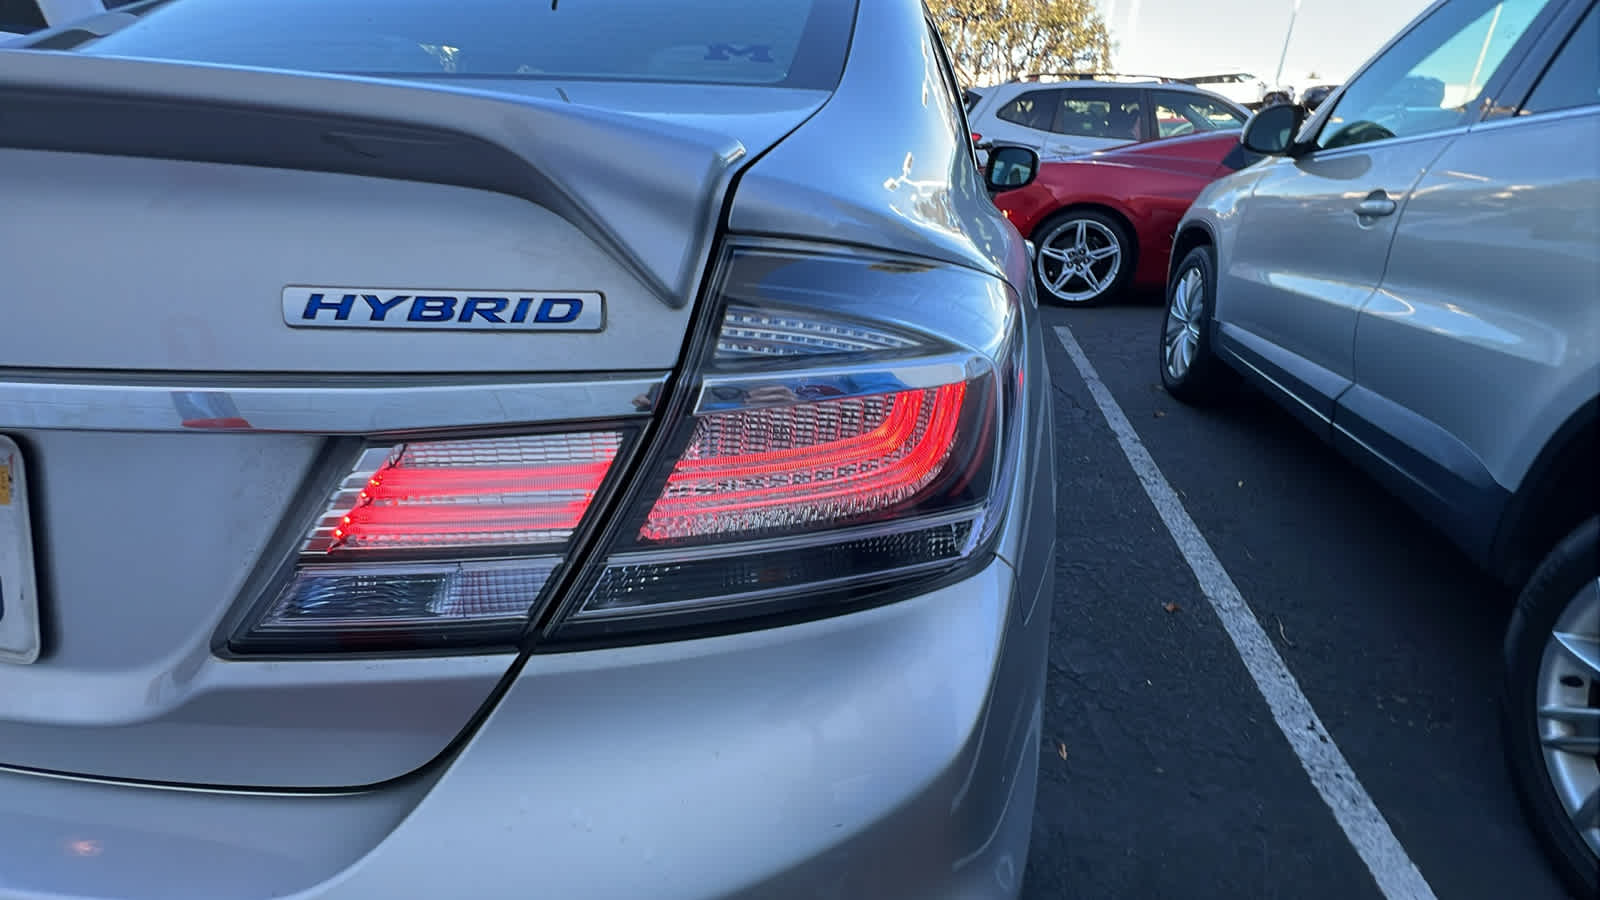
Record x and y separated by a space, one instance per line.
1369 832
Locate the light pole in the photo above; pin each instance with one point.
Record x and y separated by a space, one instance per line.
1277 80
1129 37
1108 15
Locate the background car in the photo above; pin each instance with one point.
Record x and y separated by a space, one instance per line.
1103 223
508 471
1315 95
1278 96
1243 88
1079 115
1413 274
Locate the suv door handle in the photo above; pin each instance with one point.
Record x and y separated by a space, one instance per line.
1377 204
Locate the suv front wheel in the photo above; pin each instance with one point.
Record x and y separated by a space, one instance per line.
1189 370
1552 704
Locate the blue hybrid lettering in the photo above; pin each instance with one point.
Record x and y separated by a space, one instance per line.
432 309
559 310
318 303
442 311
380 308
475 307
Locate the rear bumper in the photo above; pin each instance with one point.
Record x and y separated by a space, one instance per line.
886 754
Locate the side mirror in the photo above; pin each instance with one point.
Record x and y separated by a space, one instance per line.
1271 131
1011 168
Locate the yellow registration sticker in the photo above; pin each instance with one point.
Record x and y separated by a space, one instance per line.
5 483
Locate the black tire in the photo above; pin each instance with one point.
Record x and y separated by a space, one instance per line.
1127 260
1207 379
1573 563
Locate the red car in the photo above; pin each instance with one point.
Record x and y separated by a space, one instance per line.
1102 222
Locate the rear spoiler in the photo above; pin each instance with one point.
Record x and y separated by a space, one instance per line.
581 163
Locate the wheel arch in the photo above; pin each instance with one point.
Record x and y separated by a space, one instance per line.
1560 491
1190 235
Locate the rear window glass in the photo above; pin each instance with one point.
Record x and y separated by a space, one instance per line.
1036 109
1179 113
1102 113
790 43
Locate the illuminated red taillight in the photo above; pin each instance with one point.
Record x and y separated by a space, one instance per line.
753 470
827 454
836 494
437 541
474 493
977 138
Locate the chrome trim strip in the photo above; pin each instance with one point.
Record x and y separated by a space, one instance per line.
1369 146
336 405
1554 115
721 393
126 783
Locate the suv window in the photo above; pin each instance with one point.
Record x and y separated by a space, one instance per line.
790 43
1035 109
1179 113
1432 78
1573 78
1102 114
20 16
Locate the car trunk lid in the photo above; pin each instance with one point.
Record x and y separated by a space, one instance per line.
166 224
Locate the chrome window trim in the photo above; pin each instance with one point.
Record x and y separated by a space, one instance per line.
1554 115
1321 153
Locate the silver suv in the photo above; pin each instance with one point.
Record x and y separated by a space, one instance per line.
1415 274
482 449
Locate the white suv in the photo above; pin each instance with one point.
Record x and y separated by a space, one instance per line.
1069 118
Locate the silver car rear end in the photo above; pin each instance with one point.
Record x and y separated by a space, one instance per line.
447 487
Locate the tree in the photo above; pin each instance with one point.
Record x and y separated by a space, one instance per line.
998 40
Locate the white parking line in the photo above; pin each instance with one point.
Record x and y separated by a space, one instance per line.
1363 824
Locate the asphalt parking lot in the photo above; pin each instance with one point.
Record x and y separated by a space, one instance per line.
1166 773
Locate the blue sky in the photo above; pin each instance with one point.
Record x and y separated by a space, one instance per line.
1189 37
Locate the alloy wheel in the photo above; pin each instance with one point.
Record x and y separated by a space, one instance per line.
1567 711
1181 338
1079 260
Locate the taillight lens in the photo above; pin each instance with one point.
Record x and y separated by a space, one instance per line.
781 467
748 333
458 494
827 457
436 542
